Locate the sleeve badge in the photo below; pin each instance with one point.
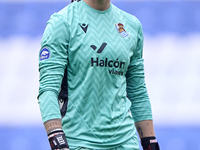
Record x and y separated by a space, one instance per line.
44 54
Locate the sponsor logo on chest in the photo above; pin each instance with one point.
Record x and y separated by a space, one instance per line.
116 67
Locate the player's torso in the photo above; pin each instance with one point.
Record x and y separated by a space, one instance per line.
98 58
99 43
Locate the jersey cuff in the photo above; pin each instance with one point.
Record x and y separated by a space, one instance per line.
142 118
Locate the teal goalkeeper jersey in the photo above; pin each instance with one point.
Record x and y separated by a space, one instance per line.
91 62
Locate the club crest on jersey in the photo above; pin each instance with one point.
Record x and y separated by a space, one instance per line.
121 30
44 54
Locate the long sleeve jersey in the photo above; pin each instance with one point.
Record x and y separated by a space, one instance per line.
92 75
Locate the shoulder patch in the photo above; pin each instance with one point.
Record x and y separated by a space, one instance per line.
44 54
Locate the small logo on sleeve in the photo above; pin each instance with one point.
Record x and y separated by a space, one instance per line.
121 30
44 54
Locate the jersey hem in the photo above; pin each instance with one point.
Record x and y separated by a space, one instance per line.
92 145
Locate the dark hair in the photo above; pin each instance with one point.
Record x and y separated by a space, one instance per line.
75 0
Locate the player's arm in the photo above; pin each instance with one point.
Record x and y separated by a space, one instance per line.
56 135
145 128
53 124
52 64
146 133
137 93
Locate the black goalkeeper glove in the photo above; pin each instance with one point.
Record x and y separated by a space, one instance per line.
58 140
150 143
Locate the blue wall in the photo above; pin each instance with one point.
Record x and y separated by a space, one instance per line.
28 19
173 17
34 138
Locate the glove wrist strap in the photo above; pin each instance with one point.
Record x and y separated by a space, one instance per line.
150 143
57 139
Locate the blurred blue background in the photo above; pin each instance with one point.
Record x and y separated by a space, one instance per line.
172 68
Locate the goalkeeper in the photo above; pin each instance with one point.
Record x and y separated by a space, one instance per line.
92 92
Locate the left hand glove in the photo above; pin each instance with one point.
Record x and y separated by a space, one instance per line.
150 143
58 140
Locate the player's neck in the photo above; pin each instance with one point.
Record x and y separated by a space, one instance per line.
98 4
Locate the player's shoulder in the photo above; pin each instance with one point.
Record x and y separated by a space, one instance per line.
66 13
132 19
67 10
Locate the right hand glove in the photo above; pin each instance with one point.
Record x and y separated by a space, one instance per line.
150 143
57 140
